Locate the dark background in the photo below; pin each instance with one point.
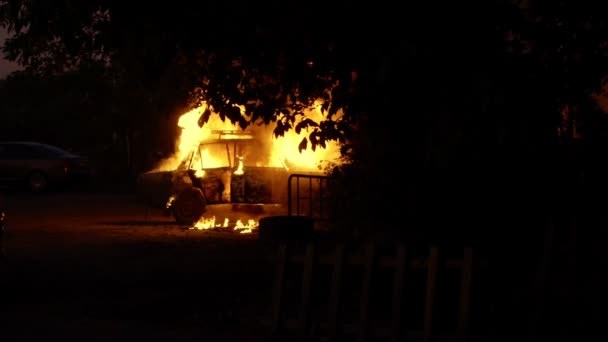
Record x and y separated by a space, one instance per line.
472 123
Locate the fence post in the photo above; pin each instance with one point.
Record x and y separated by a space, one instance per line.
336 284
365 290
542 274
465 292
307 275
398 291
432 265
277 294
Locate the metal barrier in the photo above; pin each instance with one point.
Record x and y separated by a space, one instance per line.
309 195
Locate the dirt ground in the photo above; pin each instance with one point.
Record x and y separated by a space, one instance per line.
105 266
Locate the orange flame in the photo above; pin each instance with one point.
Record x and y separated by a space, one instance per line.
205 223
270 151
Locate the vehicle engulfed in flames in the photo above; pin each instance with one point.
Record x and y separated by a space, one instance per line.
217 162
196 183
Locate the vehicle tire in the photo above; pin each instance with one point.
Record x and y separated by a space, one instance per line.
37 181
189 206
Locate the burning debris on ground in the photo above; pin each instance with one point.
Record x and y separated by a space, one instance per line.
226 225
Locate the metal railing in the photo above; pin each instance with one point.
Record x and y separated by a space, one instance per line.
309 195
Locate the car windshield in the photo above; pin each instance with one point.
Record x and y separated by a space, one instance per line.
223 151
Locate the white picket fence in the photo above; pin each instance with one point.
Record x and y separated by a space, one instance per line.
319 303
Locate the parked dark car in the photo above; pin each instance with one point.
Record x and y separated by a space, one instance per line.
38 166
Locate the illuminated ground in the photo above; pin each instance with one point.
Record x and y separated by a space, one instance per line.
104 266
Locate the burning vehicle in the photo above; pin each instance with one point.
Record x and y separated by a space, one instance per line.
220 164
201 180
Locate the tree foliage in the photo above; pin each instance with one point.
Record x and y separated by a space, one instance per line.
64 109
267 59
276 58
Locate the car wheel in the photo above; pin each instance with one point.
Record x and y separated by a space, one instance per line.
37 181
189 206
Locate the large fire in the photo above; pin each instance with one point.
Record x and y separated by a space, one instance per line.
273 151
269 151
